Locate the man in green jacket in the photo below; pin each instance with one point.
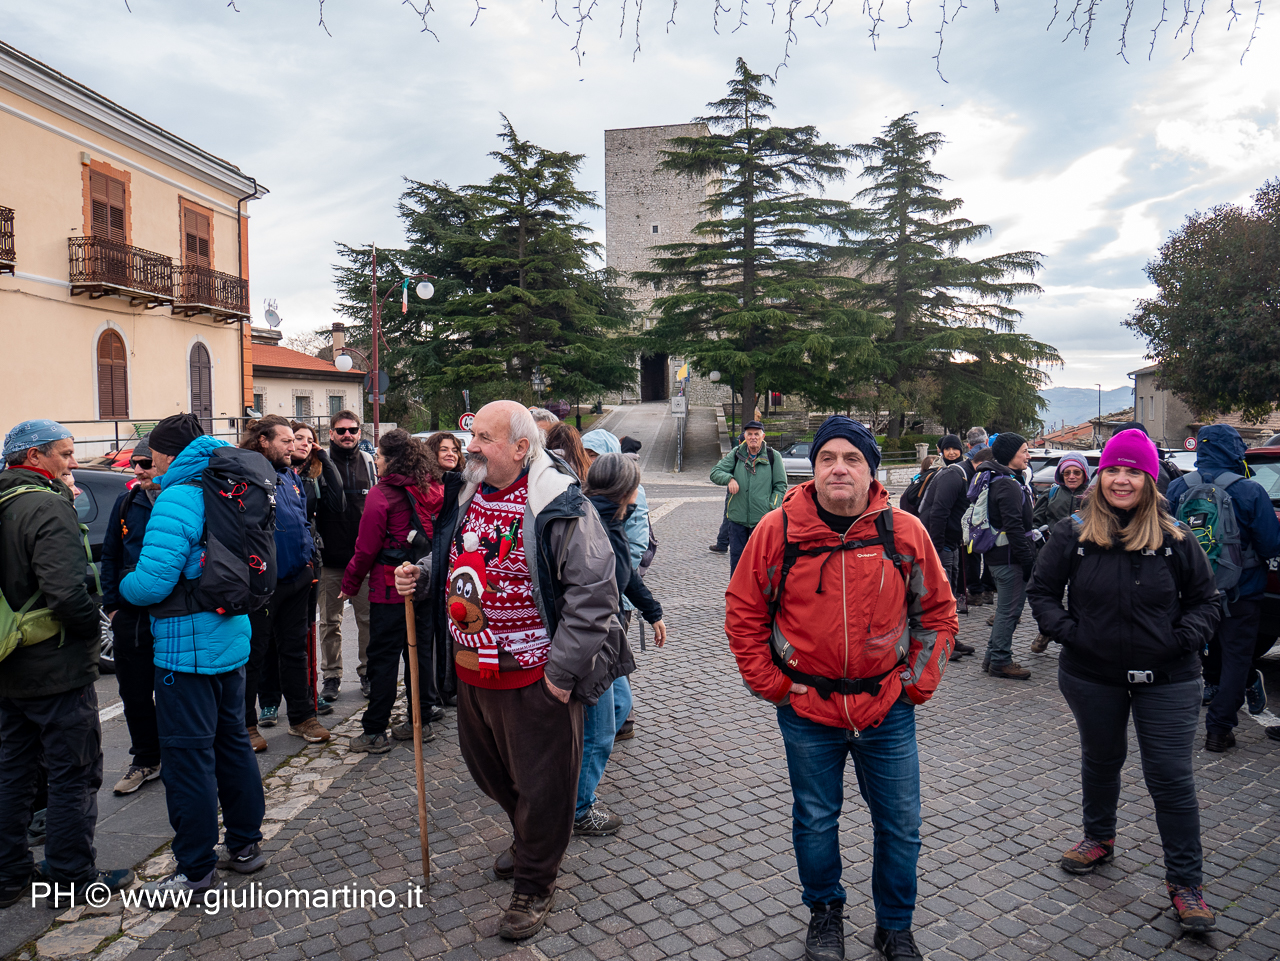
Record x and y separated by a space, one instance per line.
756 479
47 701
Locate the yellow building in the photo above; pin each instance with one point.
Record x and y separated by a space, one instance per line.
124 269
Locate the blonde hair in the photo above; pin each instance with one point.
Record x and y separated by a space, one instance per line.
1147 528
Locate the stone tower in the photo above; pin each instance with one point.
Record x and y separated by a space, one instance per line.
643 207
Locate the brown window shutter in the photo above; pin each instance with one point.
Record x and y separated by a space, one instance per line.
195 249
99 204
115 197
202 387
113 377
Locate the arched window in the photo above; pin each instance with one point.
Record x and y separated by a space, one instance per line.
202 387
113 377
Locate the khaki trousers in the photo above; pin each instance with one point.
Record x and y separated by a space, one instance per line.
331 622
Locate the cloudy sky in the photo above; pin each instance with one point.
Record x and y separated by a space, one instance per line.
1062 148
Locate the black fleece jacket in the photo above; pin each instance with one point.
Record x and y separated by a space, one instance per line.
1009 506
1130 610
945 501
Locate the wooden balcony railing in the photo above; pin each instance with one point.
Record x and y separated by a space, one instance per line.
199 290
100 267
8 250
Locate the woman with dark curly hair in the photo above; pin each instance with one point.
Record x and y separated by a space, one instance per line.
448 453
396 526
565 440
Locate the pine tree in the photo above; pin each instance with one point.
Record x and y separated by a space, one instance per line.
517 295
757 293
951 318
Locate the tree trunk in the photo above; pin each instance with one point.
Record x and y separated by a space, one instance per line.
748 396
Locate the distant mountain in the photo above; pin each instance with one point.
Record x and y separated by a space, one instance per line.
1075 405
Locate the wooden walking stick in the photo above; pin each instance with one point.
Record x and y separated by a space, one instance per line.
415 706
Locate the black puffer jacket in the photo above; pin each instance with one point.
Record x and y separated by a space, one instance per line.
338 530
1009 506
942 510
1130 610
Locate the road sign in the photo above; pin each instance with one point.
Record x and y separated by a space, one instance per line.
1189 443
679 405
466 420
384 381
382 398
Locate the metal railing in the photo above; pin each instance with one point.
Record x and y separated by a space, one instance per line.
8 249
106 266
203 290
95 438
680 424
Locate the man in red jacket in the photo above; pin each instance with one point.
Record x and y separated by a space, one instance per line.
841 614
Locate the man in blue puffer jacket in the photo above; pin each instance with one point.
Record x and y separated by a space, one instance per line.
199 682
1230 664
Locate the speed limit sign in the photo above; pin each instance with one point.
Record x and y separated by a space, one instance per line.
466 420
1189 443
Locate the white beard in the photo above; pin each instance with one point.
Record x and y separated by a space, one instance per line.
477 469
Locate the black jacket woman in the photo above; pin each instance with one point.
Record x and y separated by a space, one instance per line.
1143 604
611 486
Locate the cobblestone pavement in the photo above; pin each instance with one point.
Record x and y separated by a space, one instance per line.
704 868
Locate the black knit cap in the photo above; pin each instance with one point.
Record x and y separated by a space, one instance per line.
172 435
950 442
1005 446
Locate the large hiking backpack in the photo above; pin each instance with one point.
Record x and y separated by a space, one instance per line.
913 496
979 536
238 573
24 626
1207 509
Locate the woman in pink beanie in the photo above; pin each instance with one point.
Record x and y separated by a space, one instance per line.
1143 603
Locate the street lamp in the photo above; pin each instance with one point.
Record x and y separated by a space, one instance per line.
425 291
1099 386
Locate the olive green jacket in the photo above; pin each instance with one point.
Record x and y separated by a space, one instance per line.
760 487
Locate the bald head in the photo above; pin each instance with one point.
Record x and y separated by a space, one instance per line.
506 440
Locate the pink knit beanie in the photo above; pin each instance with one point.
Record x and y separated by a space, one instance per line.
1131 448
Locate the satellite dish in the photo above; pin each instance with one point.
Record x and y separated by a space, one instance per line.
425 290
271 315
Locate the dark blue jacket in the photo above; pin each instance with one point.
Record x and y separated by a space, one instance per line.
294 545
633 587
122 544
1219 449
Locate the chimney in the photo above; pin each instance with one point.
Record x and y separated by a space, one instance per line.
339 337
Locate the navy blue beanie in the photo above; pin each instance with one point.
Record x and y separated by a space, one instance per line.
852 431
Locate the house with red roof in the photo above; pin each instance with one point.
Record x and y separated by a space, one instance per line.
299 386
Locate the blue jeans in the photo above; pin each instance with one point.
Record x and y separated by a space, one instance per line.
1165 718
1011 597
888 770
600 723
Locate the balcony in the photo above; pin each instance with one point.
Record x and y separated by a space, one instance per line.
101 267
8 254
200 290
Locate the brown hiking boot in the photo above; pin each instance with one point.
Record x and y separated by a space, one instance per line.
991 619
1193 913
504 865
1086 855
1040 644
1010 671
525 916
256 740
310 730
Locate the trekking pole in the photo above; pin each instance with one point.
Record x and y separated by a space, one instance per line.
415 706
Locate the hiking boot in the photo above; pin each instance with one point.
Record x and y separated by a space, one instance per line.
975 600
627 731
1219 742
434 714
323 708
1084 856
256 740
717 549
112 881
1010 672
991 619
1272 732
310 730
11 892
963 649
504 865
988 597
404 732
1040 644
825 938
329 690
1210 692
370 744
1193 912
597 822
135 777
525 915
1255 695
177 881
244 861
364 687
896 945
268 716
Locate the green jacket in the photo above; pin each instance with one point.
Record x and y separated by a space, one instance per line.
41 550
760 488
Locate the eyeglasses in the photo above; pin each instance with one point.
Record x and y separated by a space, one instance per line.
144 464
345 430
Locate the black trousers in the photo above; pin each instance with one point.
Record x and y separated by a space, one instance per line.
388 647
1237 641
135 674
286 621
66 729
269 693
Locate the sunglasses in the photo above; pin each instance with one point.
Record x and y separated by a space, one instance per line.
345 430
144 464
1073 472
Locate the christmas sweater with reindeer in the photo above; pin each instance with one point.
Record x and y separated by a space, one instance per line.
490 604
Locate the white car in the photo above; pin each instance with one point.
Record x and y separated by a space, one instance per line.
795 459
464 436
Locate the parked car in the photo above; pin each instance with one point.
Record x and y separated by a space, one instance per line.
1042 479
1264 462
464 436
99 488
795 458
115 459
